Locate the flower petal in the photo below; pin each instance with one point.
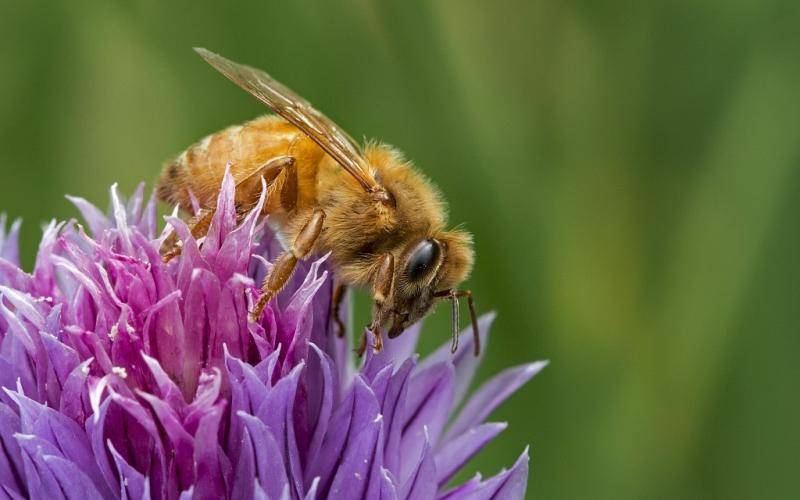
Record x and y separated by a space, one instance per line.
243 483
41 481
388 486
271 469
71 478
460 450
356 415
393 409
359 459
507 485
11 467
422 481
428 404
95 428
74 396
276 412
490 395
209 467
133 484
94 218
320 393
465 362
62 432
9 242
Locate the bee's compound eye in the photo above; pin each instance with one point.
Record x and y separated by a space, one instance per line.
422 258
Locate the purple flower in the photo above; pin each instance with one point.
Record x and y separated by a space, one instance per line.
124 377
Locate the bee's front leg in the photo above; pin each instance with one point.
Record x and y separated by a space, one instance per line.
284 265
381 291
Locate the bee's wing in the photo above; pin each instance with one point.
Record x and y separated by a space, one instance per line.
296 110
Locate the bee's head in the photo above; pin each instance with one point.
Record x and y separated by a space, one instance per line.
427 269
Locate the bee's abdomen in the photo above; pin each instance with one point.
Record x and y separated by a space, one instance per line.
171 187
199 169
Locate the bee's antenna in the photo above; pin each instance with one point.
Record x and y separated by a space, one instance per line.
474 318
454 318
454 295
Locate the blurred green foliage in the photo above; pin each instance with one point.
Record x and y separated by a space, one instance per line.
630 170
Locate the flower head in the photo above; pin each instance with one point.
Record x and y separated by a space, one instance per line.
125 377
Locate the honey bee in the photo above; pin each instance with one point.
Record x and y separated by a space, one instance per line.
382 222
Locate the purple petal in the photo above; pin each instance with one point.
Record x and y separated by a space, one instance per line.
133 485
507 485
388 486
200 322
209 468
95 429
13 276
121 220
24 306
62 358
422 481
464 360
276 411
224 218
94 218
61 431
245 464
460 450
359 459
491 395
170 392
311 494
393 408
296 322
41 481
180 440
9 243
320 390
461 490
74 397
358 411
11 467
271 468
401 348
73 482
232 322
428 404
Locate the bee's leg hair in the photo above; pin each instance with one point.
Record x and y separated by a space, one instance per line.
283 267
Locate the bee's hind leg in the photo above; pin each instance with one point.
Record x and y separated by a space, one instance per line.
283 267
281 177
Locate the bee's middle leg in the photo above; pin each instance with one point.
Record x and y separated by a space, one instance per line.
339 291
284 265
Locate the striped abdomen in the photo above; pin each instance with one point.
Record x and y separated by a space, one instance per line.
245 148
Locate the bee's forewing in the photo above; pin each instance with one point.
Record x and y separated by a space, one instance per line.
299 112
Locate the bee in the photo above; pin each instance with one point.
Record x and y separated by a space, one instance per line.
383 223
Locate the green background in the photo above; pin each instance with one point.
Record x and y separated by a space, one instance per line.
630 170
